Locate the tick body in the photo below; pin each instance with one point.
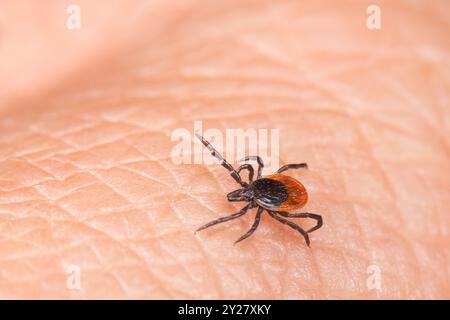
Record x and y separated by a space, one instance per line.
277 194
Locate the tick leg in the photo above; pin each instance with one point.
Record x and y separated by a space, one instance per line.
292 166
254 226
250 169
292 225
227 218
224 163
259 161
314 216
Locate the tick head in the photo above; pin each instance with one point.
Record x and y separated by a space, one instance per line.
244 194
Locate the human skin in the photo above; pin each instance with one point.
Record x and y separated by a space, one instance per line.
87 178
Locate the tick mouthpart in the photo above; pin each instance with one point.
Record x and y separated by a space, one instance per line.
244 194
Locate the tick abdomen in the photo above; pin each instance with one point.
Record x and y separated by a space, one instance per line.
279 192
269 193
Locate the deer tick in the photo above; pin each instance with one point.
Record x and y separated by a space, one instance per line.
278 194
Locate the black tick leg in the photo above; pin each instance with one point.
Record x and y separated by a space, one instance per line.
227 218
259 161
254 226
292 166
314 216
250 169
292 225
224 163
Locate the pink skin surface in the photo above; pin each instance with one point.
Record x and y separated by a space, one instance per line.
86 177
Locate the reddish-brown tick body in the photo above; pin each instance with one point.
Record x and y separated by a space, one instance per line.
278 194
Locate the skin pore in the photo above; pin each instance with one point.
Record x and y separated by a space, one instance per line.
87 181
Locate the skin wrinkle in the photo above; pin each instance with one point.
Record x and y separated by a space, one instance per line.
323 284
217 284
385 178
268 103
211 268
134 252
439 219
199 200
396 87
105 267
264 276
391 189
391 126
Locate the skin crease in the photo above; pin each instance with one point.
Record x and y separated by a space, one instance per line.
86 177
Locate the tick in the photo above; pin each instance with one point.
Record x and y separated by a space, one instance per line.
278 194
